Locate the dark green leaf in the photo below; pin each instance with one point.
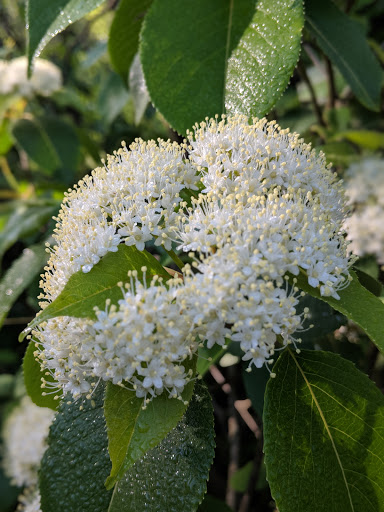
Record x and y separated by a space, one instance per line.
124 34
357 304
46 18
85 291
132 430
209 356
369 282
323 435
343 41
32 380
172 477
19 276
33 139
76 462
206 57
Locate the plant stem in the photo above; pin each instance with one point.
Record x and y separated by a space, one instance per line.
175 258
11 180
303 73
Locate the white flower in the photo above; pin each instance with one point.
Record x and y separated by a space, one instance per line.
46 77
25 431
29 501
365 192
270 209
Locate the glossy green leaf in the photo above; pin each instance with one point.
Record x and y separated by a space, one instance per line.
19 276
132 430
84 291
76 462
207 57
32 380
33 139
357 304
342 40
25 220
123 39
172 477
323 435
46 18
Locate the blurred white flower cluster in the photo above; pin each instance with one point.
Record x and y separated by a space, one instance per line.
251 204
365 193
46 77
24 433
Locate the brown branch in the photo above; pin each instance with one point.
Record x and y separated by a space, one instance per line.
304 76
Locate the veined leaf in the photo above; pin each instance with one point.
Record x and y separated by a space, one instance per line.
172 477
132 430
342 40
207 57
323 435
85 291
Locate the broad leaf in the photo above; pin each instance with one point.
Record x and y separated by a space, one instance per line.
46 18
132 430
172 477
356 303
32 380
123 39
343 41
33 139
323 435
209 356
207 57
76 462
85 291
22 272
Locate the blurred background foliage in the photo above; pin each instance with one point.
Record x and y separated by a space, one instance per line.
49 143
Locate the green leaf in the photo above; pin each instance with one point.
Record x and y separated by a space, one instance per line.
357 304
46 18
138 89
209 356
132 430
172 477
342 40
19 276
25 220
124 34
85 291
112 98
323 435
33 139
369 282
76 462
255 382
206 57
364 138
32 380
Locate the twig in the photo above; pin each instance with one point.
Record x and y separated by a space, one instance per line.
332 94
18 321
303 74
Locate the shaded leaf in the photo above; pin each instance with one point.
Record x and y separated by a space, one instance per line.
138 89
32 380
342 40
209 356
123 39
210 56
46 18
76 462
172 477
85 291
132 430
33 139
357 304
255 382
323 435
212 504
112 98
19 276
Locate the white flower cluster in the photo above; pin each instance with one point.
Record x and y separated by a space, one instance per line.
365 193
46 77
25 431
29 501
251 204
